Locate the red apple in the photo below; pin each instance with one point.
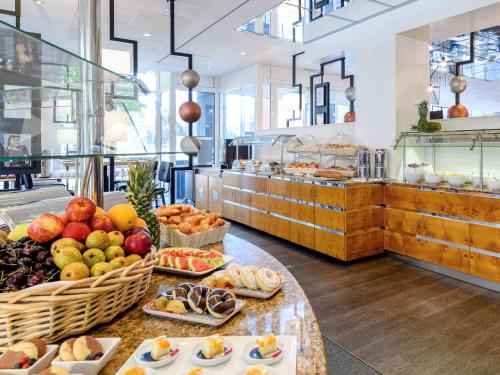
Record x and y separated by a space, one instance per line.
138 243
137 230
80 209
101 222
77 231
45 227
64 218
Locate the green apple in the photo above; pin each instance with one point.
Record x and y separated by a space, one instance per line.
132 258
113 252
100 269
67 255
93 256
119 262
75 271
97 239
116 238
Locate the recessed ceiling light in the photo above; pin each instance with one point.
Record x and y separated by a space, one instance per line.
208 68
243 53
146 34
39 2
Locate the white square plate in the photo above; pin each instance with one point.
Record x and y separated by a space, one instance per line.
39 365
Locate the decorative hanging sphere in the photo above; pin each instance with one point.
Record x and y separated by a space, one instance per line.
350 93
350 117
458 84
190 112
190 78
458 111
190 145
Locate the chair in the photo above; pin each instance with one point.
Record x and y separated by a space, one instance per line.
164 178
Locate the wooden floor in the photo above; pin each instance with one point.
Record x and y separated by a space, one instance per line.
398 318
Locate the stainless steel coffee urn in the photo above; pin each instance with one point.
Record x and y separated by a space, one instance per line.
380 170
364 167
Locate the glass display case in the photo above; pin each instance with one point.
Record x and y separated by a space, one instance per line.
458 158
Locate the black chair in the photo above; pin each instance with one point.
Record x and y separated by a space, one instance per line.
164 178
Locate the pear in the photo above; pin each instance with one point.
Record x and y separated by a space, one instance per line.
113 252
100 269
66 256
97 239
65 242
93 256
119 262
75 271
132 258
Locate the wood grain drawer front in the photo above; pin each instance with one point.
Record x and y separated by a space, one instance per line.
259 201
448 230
245 198
302 212
364 219
231 195
242 215
438 202
485 238
329 243
279 227
302 235
258 184
330 195
485 209
231 179
363 196
278 187
259 220
279 206
428 251
330 219
485 266
301 191
229 211
361 245
215 194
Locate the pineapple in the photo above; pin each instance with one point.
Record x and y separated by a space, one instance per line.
423 124
141 192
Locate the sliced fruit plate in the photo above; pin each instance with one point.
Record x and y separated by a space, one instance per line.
192 317
189 261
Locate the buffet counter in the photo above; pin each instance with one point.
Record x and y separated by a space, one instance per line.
287 313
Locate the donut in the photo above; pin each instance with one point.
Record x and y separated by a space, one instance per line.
267 279
247 276
197 298
181 292
233 276
220 303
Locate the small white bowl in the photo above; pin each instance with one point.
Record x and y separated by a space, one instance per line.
456 181
174 354
432 178
493 184
413 175
228 353
270 371
109 346
264 361
39 365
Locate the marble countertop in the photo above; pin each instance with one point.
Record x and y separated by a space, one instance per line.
287 313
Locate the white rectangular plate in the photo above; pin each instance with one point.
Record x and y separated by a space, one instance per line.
39 365
192 317
287 365
226 258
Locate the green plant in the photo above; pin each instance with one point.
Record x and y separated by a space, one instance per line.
424 125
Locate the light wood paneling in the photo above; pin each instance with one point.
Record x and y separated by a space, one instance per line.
485 266
279 206
279 227
402 221
362 196
231 179
201 188
242 215
259 220
302 212
229 211
329 243
244 198
329 195
259 201
485 209
330 219
301 191
364 219
278 187
302 235
215 194
364 244
232 195
485 238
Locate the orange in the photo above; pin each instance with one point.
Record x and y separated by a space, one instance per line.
123 216
140 223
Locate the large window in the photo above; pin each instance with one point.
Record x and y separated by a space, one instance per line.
288 105
238 111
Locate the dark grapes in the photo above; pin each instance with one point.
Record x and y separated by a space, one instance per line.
25 262
39 267
23 271
14 280
49 263
25 240
41 273
42 256
35 280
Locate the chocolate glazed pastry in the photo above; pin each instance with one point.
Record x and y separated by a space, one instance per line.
220 303
181 292
197 298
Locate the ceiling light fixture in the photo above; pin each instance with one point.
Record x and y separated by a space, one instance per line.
443 63
39 2
243 53
146 34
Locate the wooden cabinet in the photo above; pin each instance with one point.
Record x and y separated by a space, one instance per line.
279 206
301 191
279 227
363 244
331 219
302 235
278 187
201 191
329 195
363 219
485 237
215 194
259 220
485 266
484 208
231 179
302 212
259 201
329 243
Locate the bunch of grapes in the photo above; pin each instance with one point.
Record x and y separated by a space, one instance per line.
25 263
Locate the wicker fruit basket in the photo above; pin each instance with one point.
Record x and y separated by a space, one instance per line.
173 237
58 309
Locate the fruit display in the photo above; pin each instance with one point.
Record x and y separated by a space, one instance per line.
83 348
188 220
23 355
194 260
141 189
80 243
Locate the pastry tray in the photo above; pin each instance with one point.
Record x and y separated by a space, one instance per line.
286 366
253 293
226 258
